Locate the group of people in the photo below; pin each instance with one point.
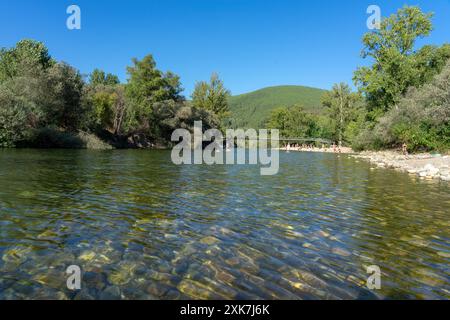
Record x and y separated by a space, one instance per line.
312 148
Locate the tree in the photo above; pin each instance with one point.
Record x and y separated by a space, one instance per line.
171 115
342 107
99 77
18 115
63 107
422 119
27 58
396 65
294 122
212 96
146 86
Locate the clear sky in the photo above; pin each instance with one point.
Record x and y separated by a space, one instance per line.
250 43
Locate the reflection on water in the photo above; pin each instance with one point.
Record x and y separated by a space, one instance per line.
142 228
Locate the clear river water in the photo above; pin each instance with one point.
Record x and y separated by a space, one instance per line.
140 227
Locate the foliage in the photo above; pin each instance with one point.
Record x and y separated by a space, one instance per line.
107 108
294 122
422 119
62 106
99 77
251 110
15 124
146 86
344 109
172 115
396 65
28 58
212 96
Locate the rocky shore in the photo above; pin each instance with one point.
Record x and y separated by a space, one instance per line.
425 166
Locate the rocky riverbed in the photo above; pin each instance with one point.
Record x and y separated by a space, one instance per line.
425 166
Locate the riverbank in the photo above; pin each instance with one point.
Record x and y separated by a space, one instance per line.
53 138
342 150
425 165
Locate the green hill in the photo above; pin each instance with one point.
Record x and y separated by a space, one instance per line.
251 110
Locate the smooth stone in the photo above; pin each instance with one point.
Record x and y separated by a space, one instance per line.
123 274
94 280
341 252
16 255
158 289
87 256
83 295
444 254
52 279
209 240
197 290
111 293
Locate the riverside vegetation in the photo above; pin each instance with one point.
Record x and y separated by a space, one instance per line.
45 103
402 98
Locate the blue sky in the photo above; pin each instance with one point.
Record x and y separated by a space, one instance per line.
250 43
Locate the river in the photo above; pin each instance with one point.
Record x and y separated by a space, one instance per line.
140 227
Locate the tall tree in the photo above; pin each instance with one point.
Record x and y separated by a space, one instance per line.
212 96
146 86
26 58
64 87
341 104
396 65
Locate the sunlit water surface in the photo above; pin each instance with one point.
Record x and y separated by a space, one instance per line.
142 228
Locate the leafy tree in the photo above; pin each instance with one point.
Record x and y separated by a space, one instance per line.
27 58
212 96
146 86
342 106
171 115
17 115
63 107
99 77
396 65
422 119
294 122
107 108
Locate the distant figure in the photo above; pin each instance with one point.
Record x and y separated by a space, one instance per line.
405 149
334 147
288 148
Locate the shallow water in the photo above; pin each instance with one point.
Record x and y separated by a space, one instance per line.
142 228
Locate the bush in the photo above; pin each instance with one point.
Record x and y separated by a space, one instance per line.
52 137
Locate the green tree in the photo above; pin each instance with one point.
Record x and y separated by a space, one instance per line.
146 86
18 114
99 77
294 122
26 58
212 96
396 65
63 107
36 92
342 106
422 119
